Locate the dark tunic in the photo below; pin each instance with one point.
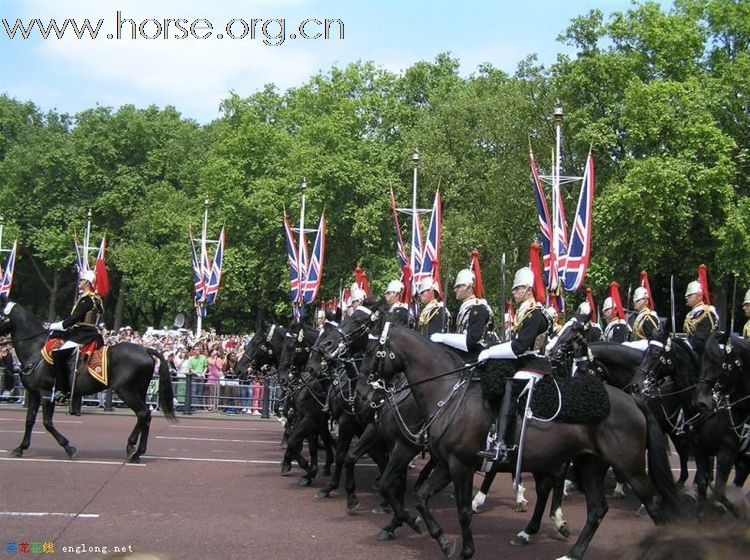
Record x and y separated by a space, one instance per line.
529 324
617 331
475 320
646 325
80 325
398 315
699 324
434 318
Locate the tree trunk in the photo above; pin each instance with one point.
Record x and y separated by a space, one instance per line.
53 296
119 307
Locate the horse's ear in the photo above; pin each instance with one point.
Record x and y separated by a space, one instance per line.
723 336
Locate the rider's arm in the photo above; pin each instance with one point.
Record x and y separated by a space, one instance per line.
83 306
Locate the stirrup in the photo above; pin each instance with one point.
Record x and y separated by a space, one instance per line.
61 397
497 451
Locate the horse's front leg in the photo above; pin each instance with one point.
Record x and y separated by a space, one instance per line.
32 407
463 483
438 480
48 411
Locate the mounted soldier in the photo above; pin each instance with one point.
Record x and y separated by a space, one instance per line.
617 329
529 329
646 324
746 309
398 313
702 319
77 330
474 320
434 317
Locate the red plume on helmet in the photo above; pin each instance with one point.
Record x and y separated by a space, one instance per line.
703 279
478 286
645 284
592 306
539 293
614 293
360 276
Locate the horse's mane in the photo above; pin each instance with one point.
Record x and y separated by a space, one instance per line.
440 351
713 351
607 351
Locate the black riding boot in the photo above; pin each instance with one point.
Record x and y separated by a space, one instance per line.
497 448
62 379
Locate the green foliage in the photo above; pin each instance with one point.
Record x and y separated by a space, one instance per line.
659 96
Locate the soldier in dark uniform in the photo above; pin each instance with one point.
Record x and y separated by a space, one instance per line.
746 309
78 329
434 317
473 322
702 318
529 330
646 324
617 330
398 313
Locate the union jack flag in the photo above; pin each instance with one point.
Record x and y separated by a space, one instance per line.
7 276
559 253
315 270
417 249
431 253
543 214
294 263
579 249
212 287
198 279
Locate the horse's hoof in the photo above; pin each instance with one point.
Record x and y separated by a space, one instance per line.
382 509
448 547
16 453
521 507
129 450
135 459
352 505
323 493
520 539
417 525
71 451
304 481
385 535
564 530
286 469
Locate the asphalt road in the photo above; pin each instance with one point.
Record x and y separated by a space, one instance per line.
210 487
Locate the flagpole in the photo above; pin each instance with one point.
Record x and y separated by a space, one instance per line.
414 216
301 243
199 304
2 225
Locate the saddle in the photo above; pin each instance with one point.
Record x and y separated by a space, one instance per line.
584 398
93 359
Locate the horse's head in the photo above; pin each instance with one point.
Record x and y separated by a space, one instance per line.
6 324
295 349
719 365
570 340
655 365
263 349
351 336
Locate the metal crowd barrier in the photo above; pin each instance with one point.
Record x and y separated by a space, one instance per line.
193 395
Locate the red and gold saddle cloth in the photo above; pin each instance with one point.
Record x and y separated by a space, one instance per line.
94 358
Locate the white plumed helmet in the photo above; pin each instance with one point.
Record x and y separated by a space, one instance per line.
584 308
524 277
640 293
694 288
464 277
552 313
89 276
608 304
357 294
395 286
747 297
427 284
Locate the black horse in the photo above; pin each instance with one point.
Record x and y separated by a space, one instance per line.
723 396
459 420
130 371
308 394
262 351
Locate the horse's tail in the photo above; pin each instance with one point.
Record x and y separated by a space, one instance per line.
659 468
166 393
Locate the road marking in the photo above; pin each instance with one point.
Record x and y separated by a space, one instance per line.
241 461
20 432
49 513
196 427
218 439
16 419
72 461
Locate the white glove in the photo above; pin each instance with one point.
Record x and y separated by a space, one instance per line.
501 351
58 326
457 341
436 337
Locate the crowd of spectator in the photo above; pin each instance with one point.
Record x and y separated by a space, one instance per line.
209 360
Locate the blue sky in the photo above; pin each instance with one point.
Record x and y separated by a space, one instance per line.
195 75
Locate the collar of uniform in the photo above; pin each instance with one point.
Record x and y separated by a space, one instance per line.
525 306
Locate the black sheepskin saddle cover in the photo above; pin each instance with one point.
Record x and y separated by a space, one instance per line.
584 398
